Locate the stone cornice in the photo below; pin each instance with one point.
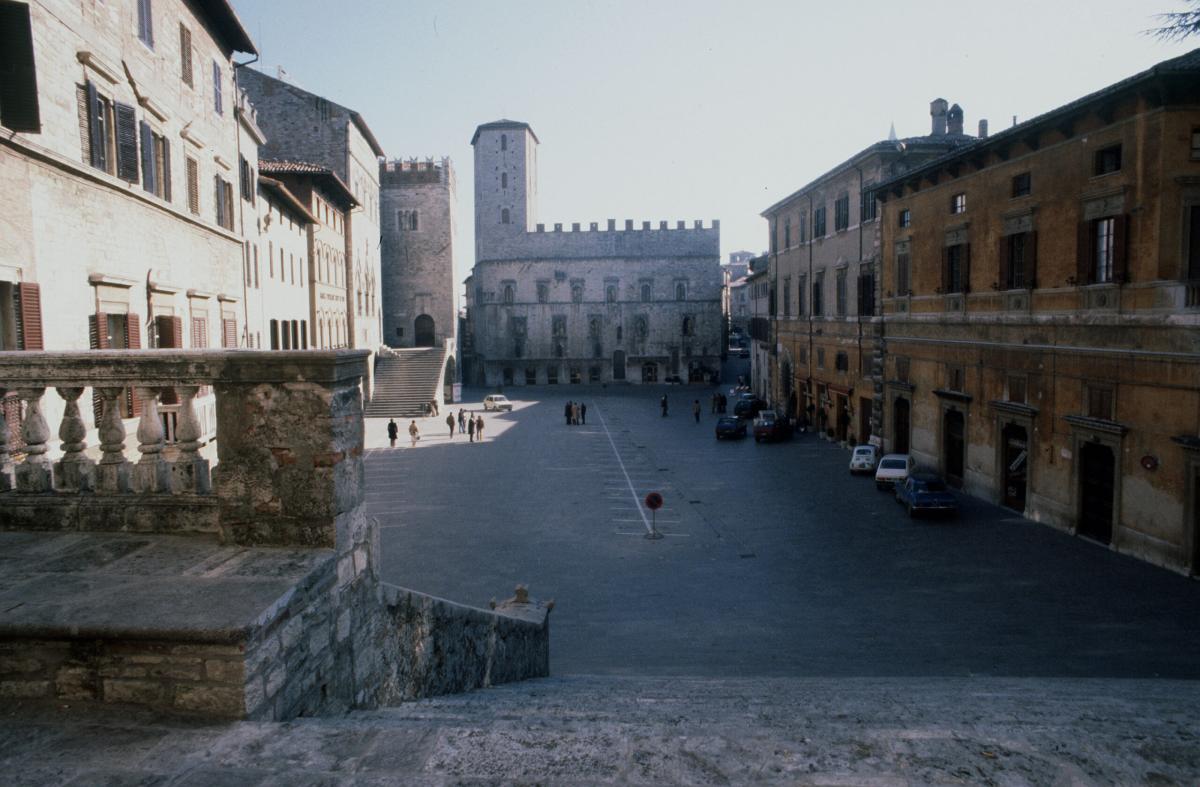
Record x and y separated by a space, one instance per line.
1013 408
1096 425
957 396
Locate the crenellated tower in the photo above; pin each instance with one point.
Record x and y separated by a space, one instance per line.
505 181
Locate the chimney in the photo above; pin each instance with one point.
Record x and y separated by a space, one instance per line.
983 128
955 120
937 111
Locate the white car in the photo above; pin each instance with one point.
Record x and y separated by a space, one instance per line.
893 469
863 459
497 402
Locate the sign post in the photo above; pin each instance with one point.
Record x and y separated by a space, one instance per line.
653 501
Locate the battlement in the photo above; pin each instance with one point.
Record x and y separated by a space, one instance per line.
415 171
663 226
650 241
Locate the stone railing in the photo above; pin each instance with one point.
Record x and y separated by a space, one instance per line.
174 491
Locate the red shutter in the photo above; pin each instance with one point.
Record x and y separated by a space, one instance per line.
1083 252
1121 248
229 333
133 340
98 339
31 316
1003 262
1031 261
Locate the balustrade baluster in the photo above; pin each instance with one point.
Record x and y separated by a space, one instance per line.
189 472
112 474
33 475
74 472
6 468
151 473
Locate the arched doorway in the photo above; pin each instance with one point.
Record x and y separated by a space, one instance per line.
1097 472
649 372
1016 466
953 446
619 365
448 378
423 331
900 409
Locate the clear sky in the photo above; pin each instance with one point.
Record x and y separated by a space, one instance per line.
690 109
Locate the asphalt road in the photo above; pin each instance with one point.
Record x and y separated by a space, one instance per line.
775 562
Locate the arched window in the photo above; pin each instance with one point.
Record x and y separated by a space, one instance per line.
687 326
680 291
504 141
504 215
577 293
508 293
620 333
646 293
610 293
640 328
503 180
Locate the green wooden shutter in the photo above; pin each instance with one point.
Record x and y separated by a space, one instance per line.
147 157
98 139
127 144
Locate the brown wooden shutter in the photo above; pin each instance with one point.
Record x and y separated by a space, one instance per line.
229 333
133 340
1083 251
31 316
127 142
18 76
1003 263
85 122
193 185
98 339
166 169
1031 261
1121 248
185 55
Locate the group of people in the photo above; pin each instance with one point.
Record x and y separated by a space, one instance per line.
576 413
719 403
470 423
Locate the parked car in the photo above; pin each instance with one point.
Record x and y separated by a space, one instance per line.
893 469
497 402
926 493
770 426
728 426
748 406
863 459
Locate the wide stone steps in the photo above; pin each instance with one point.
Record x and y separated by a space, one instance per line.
405 384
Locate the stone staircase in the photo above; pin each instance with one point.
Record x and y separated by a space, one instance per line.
405 381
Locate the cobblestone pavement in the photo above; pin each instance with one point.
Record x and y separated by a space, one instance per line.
775 562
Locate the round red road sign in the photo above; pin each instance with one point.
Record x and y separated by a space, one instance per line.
653 501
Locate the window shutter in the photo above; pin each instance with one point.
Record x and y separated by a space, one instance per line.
220 198
185 55
85 122
1031 261
18 77
945 269
127 144
99 145
133 340
1083 252
166 169
229 333
966 268
98 339
216 68
1121 248
31 316
168 330
1003 266
147 157
193 185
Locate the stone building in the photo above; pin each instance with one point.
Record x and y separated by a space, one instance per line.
1041 298
758 287
118 160
824 252
417 204
282 274
330 204
599 304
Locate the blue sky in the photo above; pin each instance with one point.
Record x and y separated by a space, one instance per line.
699 109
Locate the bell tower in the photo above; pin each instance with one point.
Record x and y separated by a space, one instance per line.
505 184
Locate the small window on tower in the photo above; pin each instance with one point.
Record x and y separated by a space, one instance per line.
504 215
504 141
503 180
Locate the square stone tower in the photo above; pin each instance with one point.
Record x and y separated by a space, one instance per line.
505 184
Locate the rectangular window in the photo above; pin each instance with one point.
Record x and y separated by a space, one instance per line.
1016 388
903 274
223 196
1108 160
866 289
18 77
185 56
902 366
802 295
818 284
819 222
145 19
1018 261
156 163
1022 185
904 218
1099 402
821 358
246 179
841 213
802 232
543 292
787 297
954 378
1103 242
954 274
217 104
958 203
1193 263
840 293
868 205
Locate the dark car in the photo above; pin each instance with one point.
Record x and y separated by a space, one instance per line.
728 426
769 426
926 493
748 406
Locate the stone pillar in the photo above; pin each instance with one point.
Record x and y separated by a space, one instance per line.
151 474
112 474
74 472
289 447
33 475
189 472
6 468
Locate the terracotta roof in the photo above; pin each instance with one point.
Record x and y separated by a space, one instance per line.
326 178
505 124
225 22
286 197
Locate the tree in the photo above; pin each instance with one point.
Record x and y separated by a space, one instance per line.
1178 25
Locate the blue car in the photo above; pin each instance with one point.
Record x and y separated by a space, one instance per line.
730 427
926 493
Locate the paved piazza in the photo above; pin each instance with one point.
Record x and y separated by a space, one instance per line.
775 562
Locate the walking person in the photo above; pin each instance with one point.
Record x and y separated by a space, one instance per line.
450 423
575 413
414 433
583 413
433 407
567 413
393 431
462 422
470 429
479 427
696 410
663 404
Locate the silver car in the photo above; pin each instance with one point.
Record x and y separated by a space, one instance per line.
893 469
497 402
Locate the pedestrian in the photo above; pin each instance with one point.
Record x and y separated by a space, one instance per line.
393 431
663 405
414 433
462 422
479 427
696 410
567 413
470 429
722 403
575 413
450 423
583 413
433 408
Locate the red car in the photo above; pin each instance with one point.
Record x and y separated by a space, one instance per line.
770 426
